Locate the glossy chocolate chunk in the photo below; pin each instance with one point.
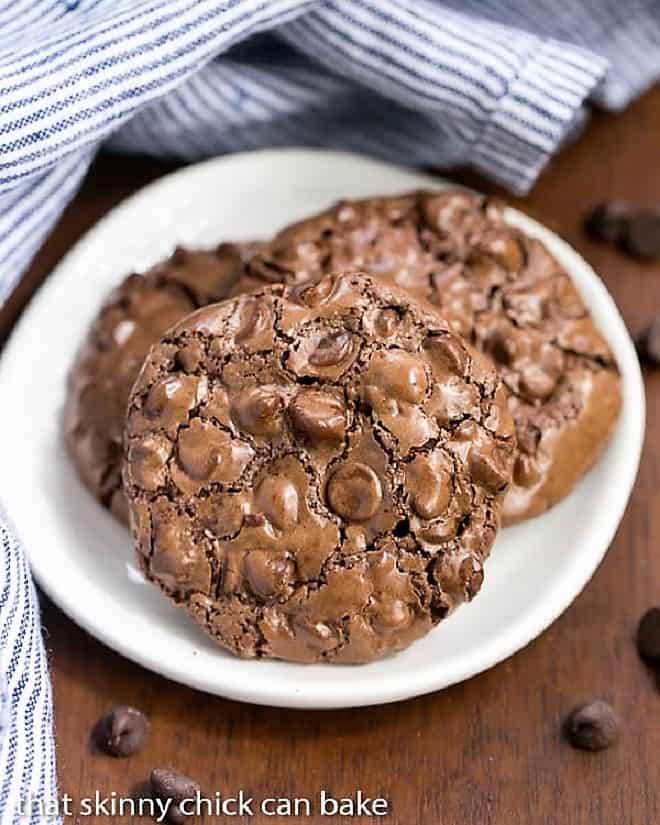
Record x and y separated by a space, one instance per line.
607 221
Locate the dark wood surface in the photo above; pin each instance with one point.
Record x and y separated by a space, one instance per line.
486 752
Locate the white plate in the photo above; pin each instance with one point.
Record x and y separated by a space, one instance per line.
82 558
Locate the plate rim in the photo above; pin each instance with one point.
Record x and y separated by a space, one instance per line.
536 620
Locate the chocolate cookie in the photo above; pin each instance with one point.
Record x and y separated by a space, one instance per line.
505 293
316 472
133 318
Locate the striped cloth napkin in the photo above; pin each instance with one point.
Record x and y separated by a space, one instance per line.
495 84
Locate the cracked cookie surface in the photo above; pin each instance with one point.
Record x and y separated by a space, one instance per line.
316 472
505 293
132 318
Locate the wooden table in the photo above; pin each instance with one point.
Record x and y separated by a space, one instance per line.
486 752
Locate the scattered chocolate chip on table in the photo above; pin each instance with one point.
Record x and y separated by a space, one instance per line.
648 344
122 732
607 221
641 235
648 635
593 726
636 231
173 787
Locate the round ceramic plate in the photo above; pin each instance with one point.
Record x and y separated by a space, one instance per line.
83 559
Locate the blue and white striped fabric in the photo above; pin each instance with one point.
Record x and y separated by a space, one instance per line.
495 84
27 749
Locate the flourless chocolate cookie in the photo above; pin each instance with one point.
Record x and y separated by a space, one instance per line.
133 318
316 472
505 293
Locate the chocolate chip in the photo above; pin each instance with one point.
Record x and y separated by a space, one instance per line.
331 350
429 479
648 344
207 453
387 322
167 784
526 471
278 499
354 491
175 816
607 221
258 410
487 464
648 634
398 375
268 575
642 234
448 353
254 319
593 726
315 294
122 732
318 415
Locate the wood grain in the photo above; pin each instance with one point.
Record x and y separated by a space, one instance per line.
488 751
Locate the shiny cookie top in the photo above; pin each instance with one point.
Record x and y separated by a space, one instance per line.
499 288
316 471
